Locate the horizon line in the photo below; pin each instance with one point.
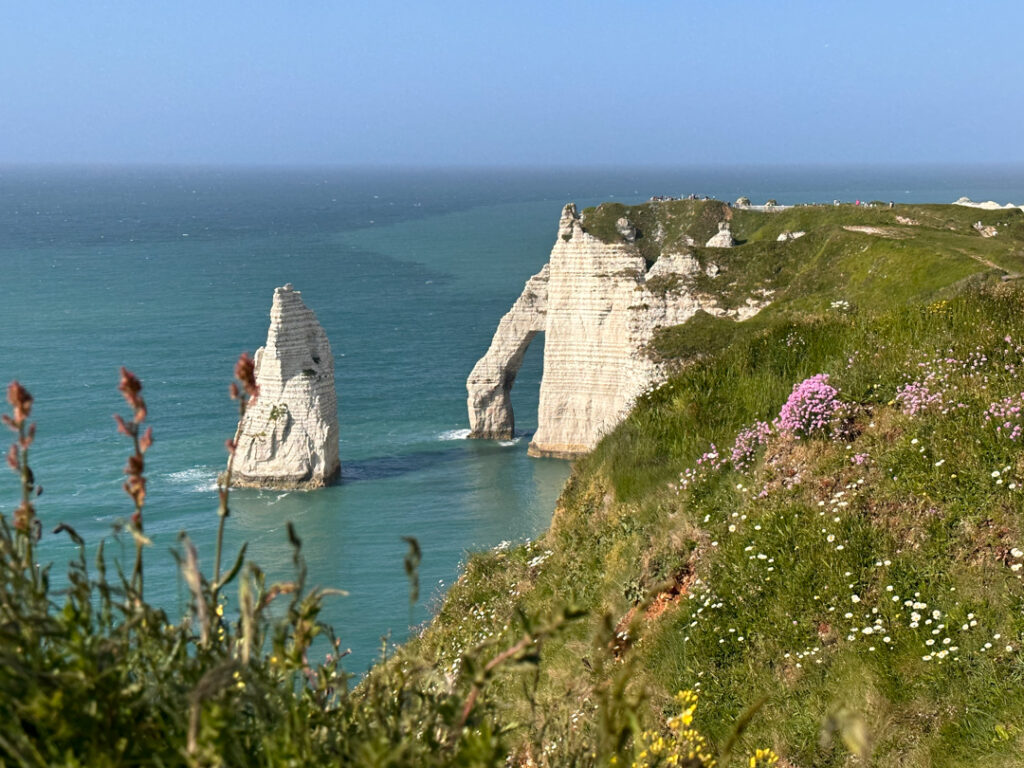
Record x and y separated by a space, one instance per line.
5 165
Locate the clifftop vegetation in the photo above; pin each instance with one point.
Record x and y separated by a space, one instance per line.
848 588
814 528
848 253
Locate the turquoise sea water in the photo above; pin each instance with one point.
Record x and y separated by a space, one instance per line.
171 271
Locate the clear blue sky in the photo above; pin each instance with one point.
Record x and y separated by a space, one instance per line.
598 82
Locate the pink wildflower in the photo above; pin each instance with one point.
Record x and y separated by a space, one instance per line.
811 407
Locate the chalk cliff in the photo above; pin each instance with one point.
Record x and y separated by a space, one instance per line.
492 377
289 435
723 238
988 205
598 305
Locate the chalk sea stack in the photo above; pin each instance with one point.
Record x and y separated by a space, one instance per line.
288 438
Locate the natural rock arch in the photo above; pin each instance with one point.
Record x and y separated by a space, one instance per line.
598 315
490 383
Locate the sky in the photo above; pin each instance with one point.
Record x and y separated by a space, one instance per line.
524 83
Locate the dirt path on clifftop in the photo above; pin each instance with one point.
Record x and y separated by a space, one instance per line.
1007 274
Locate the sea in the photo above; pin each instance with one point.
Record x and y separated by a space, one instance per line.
170 272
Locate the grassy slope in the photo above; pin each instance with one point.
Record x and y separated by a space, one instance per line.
765 591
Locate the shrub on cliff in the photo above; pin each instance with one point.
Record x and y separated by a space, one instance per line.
96 675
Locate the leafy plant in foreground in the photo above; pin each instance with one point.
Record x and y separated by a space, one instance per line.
94 675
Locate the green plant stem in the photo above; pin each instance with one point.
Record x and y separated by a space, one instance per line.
137 570
223 510
26 497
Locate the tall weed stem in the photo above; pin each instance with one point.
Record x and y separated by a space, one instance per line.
244 390
135 485
25 522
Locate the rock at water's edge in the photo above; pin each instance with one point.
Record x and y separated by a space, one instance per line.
289 436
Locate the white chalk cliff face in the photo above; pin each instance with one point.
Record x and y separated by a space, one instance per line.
723 238
598 314
289 435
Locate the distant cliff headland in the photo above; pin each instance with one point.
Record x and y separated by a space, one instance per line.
619 277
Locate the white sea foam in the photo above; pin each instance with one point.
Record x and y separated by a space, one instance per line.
507 443
454 434
200 479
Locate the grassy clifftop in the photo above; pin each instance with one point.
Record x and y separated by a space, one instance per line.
806 548
855 582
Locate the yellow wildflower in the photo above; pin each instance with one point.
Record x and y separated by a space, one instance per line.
763 758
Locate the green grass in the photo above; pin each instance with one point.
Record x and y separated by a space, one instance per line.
660 226
922 514
829 262
866 309
752 585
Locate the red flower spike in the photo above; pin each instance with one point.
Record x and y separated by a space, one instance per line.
230 445
20 400
130 385
146 441
135 465
245 372
23 518
12 458
121 426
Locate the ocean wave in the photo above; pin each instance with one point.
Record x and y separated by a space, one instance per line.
454 434
513 441
200 479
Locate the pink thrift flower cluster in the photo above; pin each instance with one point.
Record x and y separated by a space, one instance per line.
860 459
915 397
711 458
710 461
810 409
942 380
1006 415
749 439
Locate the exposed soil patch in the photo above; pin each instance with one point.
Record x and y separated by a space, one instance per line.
655 607
888 232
